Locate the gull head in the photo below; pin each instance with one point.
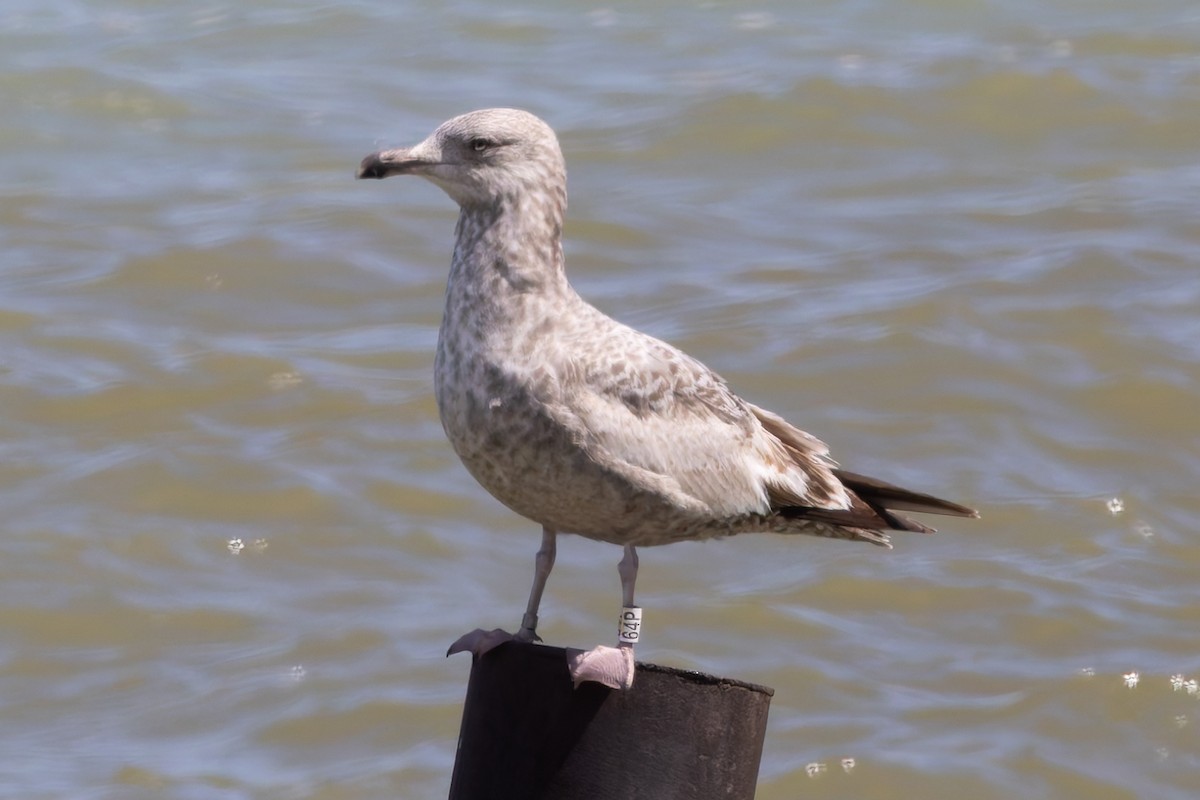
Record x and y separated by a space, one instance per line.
482 159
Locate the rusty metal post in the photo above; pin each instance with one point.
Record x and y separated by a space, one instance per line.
527 734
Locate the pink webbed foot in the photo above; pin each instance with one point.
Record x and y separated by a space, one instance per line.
611 666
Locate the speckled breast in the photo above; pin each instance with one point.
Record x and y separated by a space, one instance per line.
528 461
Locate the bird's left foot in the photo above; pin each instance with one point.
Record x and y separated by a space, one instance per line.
611 666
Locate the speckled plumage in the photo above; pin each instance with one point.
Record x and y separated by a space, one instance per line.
579 422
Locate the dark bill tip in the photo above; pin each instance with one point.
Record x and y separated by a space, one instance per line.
402 161
372 167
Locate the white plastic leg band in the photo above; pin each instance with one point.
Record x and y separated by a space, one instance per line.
629 629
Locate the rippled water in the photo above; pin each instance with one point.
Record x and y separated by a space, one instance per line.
956 240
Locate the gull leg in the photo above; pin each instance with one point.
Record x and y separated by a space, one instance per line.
479 641
611 666
543 562
627 569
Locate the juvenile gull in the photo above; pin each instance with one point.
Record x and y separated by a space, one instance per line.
585 425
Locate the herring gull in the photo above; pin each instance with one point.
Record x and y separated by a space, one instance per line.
585 425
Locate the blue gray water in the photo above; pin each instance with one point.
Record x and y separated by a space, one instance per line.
958 241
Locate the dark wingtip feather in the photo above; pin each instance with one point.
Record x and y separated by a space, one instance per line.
888 495
874 506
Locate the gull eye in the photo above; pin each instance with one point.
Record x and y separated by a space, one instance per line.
479 144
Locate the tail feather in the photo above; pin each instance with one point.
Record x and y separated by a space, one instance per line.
860 515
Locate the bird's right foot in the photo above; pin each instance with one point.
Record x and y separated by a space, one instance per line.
479 641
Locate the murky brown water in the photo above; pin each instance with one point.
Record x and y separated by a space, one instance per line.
957 241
